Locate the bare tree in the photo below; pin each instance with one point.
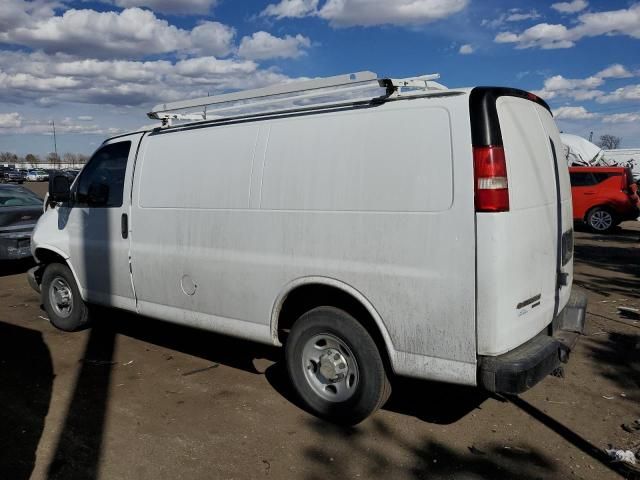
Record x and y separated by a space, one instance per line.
609 142
8 157
54 159
32 160
81 159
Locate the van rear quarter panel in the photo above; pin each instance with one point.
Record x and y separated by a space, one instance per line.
379 199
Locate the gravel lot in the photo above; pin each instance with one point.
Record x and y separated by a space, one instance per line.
134 398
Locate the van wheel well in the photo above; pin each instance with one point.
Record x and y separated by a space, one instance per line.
47 256
308 297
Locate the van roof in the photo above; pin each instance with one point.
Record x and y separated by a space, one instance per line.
482 101
292 111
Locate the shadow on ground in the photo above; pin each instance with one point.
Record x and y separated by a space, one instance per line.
618 360
604 258
77 453
15 267
429 401
419 458
26 381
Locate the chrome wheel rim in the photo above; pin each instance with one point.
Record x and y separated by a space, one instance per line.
601 220
330 368
61 297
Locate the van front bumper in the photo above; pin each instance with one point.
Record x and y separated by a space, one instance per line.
520 369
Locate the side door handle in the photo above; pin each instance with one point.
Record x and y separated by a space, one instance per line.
124 225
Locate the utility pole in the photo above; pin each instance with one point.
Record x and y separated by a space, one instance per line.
55 143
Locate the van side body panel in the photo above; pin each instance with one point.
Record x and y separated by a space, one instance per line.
379 199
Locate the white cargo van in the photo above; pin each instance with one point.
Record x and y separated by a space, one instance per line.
424 232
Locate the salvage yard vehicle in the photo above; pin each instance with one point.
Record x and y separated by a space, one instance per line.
37 175
20 209
418 231
603 197
10 175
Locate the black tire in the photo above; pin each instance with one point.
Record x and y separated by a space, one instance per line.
601 220
371 388
58 277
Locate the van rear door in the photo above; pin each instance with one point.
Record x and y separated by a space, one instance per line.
524 253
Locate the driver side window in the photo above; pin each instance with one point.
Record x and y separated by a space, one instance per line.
101 183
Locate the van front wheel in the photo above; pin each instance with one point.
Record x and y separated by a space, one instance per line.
61 299
335 366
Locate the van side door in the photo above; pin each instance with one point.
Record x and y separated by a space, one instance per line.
98 224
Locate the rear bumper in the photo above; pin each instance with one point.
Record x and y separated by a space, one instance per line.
520 369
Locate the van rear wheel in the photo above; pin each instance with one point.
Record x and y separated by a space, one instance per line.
601 220
61 299
335 366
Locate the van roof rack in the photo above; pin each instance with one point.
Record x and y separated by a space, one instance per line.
292 91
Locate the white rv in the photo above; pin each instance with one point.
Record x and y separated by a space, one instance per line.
424 232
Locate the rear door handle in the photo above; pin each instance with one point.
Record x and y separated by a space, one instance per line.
124 225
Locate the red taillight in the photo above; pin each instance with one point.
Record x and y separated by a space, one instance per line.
491 187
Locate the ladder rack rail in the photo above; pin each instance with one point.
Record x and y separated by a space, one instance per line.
296 91
287 88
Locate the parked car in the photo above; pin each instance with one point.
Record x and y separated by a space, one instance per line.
603 196
347 233
37 175
20 208
10 175
72 173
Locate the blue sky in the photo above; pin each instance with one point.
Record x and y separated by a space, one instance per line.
96 67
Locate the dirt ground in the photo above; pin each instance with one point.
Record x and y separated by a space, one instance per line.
139 399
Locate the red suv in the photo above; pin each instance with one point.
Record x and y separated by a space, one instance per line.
603 196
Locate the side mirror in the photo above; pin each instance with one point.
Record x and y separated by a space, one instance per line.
98 195
59 188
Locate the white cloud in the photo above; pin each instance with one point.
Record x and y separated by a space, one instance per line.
513 15
570 7
622 118
466 49
10 120
347 13
180 7
30 82
581 89
212 38
263 45
542 35
41 79
614 71
85 118
558 82
65 125
548 36
519 16
19 13
132 32
628 93
211 67
573 113
291 9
